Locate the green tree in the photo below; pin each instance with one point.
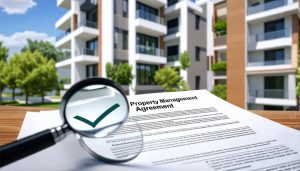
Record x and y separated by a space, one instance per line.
170 80
3 52
184 60
220 27
36 74
44 47
2 76
120 73
220 91
11 73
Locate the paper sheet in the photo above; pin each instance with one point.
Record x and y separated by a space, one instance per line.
191 130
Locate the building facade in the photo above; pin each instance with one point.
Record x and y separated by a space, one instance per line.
146 34
260 47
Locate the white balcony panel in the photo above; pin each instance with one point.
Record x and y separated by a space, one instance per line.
171 37
273 102
150 59
268 44
268 68
149 27
64 23
64 64
86 33
64 42
64 4
174 64
272 14
86 59
154 3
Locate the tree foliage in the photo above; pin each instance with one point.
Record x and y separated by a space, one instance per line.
170 80
220 27
3 52
220 66
10 79
35 75
220 91
44 47
120 73
2 77
184 60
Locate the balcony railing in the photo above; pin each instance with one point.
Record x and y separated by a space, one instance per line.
62 35
271 35
149 16
173 30
269 63
90 24
149 50
66 54
172 58
90 52
271 93
173 2
267 6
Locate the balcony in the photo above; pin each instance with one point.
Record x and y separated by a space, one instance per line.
150 55
86 56
150 24
88 5
268 40
221 38
154 3
87 30
172 33
271 93
174 6
64 23
172 58
269 63
63 40
273 9
266 6
64 4
173 2
64 61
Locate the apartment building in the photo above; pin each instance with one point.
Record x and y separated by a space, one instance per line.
260 47
146 34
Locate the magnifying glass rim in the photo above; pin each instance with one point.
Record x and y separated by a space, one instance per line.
78 86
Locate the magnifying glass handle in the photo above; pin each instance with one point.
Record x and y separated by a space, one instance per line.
30 145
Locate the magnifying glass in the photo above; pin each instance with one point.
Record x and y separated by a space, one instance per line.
96 110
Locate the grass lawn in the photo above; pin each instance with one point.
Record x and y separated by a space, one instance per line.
44 105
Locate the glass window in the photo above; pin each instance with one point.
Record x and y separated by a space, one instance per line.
147 12
125 40
197 54
197 82
274 57
146 44
125 8
92 71
197 23
274 29
92 15
116 32
145 74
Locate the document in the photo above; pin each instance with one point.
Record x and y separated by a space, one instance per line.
191 130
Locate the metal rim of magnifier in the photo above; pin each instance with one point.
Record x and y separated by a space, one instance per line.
78 86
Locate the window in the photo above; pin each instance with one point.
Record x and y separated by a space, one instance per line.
197 54
92 16
115 6
274 57
172 53
277 108
172 26
92 71
91 47
274 29
145 74
197 23
172 2
125 8
116 37
146 44
274 87
197 82
147 12
125 40
255 4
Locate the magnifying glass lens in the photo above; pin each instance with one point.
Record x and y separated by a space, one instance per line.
96 110
121 146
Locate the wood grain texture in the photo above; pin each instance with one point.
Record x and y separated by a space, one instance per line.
11 119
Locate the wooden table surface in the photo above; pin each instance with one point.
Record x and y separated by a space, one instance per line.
11 119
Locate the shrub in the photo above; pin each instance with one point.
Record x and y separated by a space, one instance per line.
220 91
220 66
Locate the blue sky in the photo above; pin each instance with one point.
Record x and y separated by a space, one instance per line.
23 19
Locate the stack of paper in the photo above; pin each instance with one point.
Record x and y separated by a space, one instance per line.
191 130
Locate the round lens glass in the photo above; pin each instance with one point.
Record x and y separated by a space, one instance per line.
96 110
123 145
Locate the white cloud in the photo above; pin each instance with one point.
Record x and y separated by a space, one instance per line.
18 40
16 6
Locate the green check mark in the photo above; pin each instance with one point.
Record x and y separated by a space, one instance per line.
100 118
